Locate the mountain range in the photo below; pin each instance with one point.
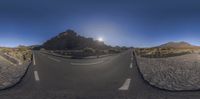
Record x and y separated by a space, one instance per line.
181 44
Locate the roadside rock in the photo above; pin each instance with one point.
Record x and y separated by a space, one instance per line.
173 73
10 74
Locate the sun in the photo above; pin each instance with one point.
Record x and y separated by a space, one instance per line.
100 39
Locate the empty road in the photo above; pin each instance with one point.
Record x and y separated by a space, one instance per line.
112 77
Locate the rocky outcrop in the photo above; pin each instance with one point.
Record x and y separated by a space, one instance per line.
10 58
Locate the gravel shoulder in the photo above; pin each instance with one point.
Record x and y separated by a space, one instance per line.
173 73
11 74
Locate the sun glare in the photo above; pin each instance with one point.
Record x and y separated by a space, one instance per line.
100 39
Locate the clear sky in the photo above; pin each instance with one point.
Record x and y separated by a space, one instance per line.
140 23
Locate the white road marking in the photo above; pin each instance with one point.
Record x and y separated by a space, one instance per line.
87 63
131 65
131 56
54 59
126 84
34 63
36 76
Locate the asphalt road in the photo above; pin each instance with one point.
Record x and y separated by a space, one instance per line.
112 77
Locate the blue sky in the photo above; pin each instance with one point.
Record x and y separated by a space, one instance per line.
140 23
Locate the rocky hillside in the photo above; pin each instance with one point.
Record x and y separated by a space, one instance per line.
70 40
22 54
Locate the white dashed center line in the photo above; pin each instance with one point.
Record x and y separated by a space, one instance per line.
36 76
131 65
131 58
54 59
34 63
126 85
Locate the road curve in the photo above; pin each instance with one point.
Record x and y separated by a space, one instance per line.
112 77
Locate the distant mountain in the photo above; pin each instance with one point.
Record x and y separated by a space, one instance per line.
70 40
35 47
178 45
